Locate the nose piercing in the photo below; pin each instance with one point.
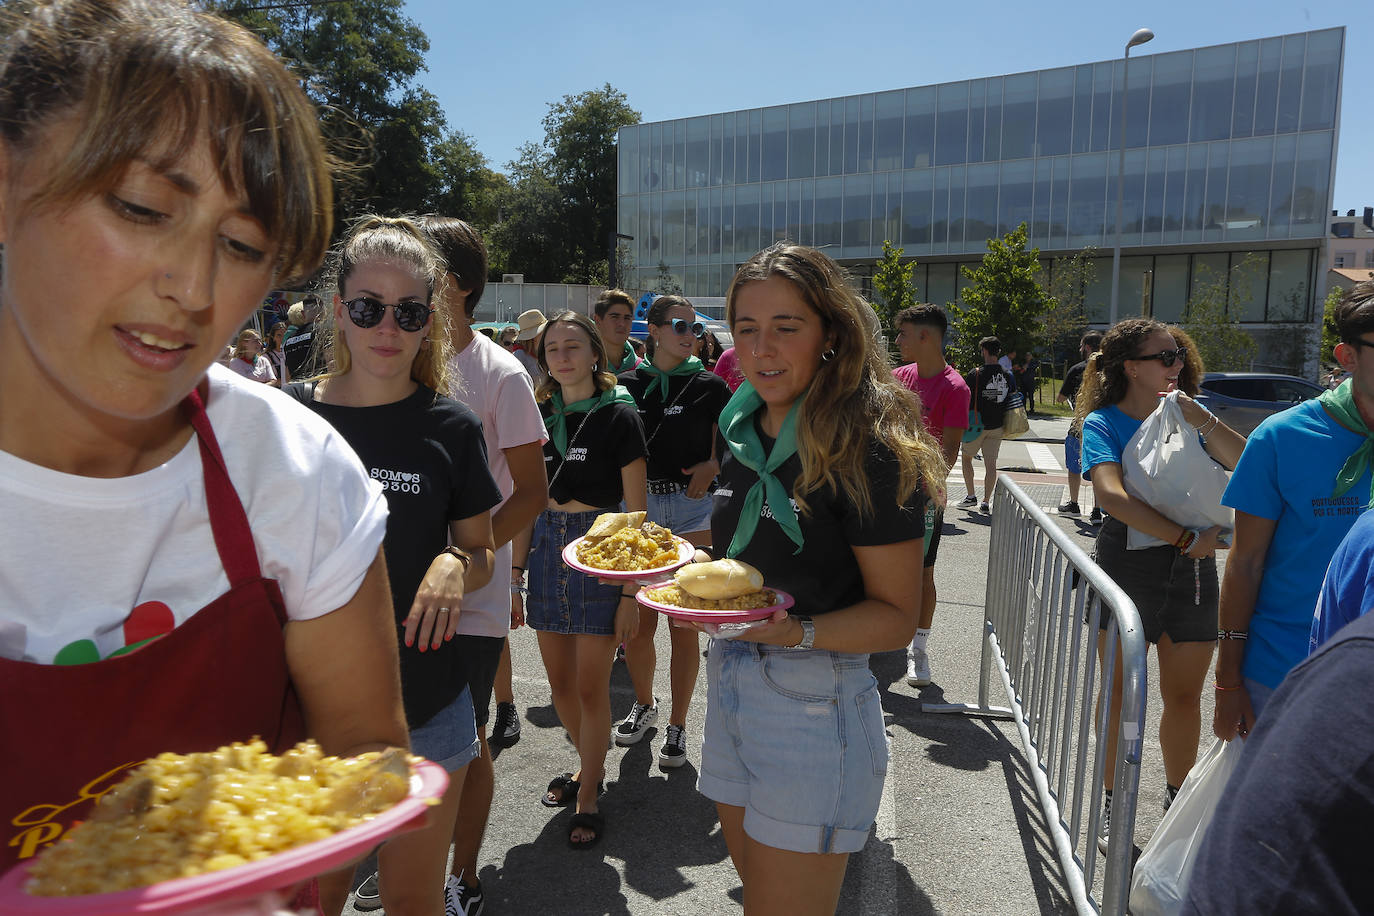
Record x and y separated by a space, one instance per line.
168 276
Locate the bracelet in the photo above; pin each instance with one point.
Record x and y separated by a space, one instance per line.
1232 634
521 568
1210 428
625 594
1186 539
1218 686
520 590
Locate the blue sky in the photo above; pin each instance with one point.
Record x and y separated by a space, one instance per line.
495 67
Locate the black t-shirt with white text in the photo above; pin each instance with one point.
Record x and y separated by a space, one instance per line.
428 454
990 385
825 576
678 428
299 351
1073 380
600 443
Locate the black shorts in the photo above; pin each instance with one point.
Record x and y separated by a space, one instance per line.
1173 593
481 655
938 525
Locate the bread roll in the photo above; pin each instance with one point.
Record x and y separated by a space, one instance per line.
719 579
608 523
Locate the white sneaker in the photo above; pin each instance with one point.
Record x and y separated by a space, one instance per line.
918 668
632 728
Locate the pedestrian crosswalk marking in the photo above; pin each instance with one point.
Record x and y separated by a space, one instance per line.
1043 458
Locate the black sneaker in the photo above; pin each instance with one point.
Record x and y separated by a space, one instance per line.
674 750
1070 509
1096 517
506 730
461 900
630 729
368 896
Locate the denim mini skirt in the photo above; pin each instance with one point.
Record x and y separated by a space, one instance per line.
561 599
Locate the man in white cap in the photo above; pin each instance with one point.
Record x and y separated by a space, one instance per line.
531 324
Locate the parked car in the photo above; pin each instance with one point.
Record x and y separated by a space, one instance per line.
1243 399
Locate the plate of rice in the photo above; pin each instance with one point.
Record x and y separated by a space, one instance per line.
672 600
217 827
631 554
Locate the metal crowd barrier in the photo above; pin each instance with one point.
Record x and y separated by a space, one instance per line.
1045 598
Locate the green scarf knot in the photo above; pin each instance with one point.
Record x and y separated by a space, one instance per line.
1340 405
629 360
557 421
689 366
737 426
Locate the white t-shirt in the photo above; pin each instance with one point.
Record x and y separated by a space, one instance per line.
260 371
491 381
83 560
1004 361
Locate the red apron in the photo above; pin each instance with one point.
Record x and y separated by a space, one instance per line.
71 733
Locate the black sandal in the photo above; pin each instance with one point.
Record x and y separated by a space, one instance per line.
564 791
588 820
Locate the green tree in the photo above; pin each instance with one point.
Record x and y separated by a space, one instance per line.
1065 319
1004 298
1330 335
894 285
1223 344
666 282
529 236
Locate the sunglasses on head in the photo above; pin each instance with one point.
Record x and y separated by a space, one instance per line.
680 327
367 312
1167 357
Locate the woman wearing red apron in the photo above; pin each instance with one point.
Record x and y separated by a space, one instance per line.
186 559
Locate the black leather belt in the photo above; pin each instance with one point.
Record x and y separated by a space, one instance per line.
666 487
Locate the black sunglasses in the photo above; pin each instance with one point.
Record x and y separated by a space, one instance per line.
367 312
680 326
1359 343
1167 357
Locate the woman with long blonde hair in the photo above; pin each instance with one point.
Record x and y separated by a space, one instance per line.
825 478
388 333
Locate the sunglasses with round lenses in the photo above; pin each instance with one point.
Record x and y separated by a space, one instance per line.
680 327
367 312
1167 357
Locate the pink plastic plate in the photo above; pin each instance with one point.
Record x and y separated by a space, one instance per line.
245 882
685 550
783 602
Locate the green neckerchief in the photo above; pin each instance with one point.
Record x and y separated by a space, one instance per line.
689 366
557 422
628 360
737 425
1340 404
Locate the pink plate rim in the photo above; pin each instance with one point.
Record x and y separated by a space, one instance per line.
784 602
685 550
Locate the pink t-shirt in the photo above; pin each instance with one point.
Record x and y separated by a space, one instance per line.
944 397
727 367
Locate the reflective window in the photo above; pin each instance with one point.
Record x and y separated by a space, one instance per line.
956 208
1214 215
1248 285
1312 191
887 209
689 227
717 123
801 147
1059 204
644 243
866 134
887 132
679 154
1087 200
698 137
939 237
1195 194
916 208
1018 115
1054 117
992 120
1247 78
1288 289
1131 199
822 138
774 144
836 138
940 283
1174 183
1152 216
674 237
858 215
654 176
747 221
1281 185
1267 85
1137 104
1104 127
980 219
718 218
1247 191
1040 211
1209 270
1097 297
1131 296
1169 98
1170 283
1016 197
808 215
1290 84
829 207
1082 108
730 149
851 135
1321 80
703 244
977 103
750 172
1214 89
918 146
951 125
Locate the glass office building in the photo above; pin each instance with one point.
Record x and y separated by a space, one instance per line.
1230 152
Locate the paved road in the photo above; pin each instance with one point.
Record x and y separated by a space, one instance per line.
959 830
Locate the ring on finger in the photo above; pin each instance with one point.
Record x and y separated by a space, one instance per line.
444 610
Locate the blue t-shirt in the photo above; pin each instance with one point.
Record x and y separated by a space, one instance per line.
1286 474
1105 434
1348 588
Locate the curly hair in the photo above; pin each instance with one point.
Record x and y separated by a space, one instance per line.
1104 378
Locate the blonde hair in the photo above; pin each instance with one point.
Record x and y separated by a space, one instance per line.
1104 378
244 335
601 375
399 241
853 398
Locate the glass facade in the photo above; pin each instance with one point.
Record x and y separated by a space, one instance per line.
1228 147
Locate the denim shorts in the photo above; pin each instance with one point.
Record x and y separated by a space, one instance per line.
449 738
561 599
796 739
1073 454
679 513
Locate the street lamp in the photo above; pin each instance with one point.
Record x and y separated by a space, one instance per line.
1139 38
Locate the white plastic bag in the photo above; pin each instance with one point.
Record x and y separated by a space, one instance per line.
1160 881
1166 466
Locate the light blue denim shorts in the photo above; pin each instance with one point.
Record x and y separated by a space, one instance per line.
449 738
679 513
796 739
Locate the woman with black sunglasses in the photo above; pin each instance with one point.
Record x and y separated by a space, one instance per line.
1173 585
389 339
680 403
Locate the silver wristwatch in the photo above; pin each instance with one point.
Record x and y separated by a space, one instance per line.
808 640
